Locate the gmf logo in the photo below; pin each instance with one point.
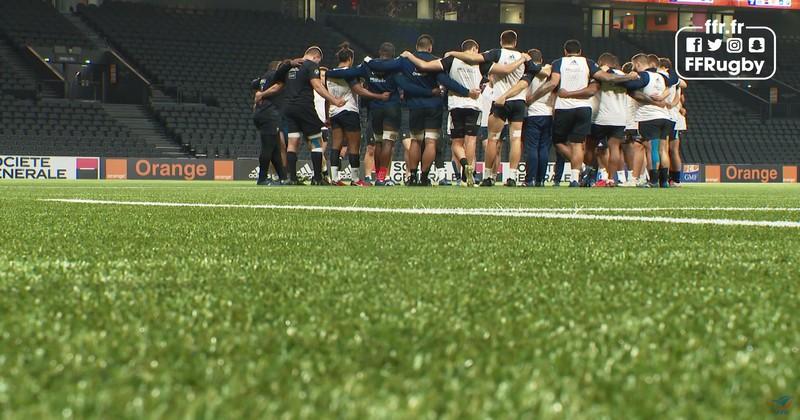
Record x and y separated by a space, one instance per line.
781 405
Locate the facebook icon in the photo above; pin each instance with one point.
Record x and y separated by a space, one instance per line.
694 45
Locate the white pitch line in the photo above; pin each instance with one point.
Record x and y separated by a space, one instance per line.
644 209
529 213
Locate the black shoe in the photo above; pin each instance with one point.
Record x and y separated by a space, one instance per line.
292 182
510 182
487 182
264 182
426 182
316 182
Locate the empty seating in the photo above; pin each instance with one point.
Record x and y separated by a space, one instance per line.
37 23
63 127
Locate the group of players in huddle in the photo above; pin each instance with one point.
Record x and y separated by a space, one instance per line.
617 125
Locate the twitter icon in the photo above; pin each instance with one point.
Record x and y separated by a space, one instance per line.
714 45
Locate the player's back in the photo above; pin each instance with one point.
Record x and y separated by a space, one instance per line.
575 74
468 76
656 85
504 83
613 107
340 88
298 90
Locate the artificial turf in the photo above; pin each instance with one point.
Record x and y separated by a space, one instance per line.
117 311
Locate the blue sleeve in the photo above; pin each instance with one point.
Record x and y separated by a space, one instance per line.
644 79
557 66
673 78
351 73
386 66
592 67
491 56
411 89
445 80
532 68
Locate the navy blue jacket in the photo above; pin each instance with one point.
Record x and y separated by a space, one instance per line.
418 87
376 82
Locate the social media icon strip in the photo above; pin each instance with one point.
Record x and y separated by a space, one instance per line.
735 46
743 53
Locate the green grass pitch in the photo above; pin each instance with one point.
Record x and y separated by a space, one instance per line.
121 311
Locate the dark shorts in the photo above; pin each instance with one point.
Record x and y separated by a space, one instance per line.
300 119
632 136
512 111
464 122
677 135
348 121
421 119
267 120
572 125
385 119
659 129
483 133
603 133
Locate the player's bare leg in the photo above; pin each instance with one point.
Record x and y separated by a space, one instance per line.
514 152
489 171
676 162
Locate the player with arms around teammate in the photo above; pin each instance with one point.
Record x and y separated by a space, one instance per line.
572 120
301 83
345 120
538 127
384 114
464 111
674 103
266 118
508 66
653 115
422 95
612 115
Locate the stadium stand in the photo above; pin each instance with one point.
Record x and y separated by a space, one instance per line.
35 22
207 57
61 127
33 118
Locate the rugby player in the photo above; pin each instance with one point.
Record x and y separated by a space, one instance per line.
346 120
673 101
266 118
300 84
609 126
464 111
538 127
654 118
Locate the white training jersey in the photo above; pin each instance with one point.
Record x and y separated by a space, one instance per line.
576 72
505 83
613 109
673 90
632 106
485 103
342 88
468 76
594 101
680 125
319 106
656 85
543 107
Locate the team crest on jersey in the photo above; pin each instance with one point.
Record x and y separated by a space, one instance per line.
316 72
